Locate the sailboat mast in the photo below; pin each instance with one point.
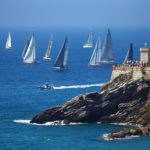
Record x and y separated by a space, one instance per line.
34 54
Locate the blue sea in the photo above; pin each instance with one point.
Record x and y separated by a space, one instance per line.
20 98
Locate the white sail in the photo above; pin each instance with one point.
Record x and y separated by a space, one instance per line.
47 54
89 43
30 55
25 49
8 42
96 55
107 50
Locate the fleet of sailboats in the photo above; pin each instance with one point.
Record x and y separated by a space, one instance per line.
89 43
61 60
47 54
8 42
30 55
101 54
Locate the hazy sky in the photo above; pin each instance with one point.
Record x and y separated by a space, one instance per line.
36 13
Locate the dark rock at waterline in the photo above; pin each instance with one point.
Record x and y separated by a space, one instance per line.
129 132
79 109
122 100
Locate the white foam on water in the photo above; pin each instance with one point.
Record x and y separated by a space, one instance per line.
22 121
132 136
104 136
126 124
78 86
52 123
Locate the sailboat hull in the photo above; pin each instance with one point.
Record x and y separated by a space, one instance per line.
61 68
46 58
87 46
95 65
107 62
31 62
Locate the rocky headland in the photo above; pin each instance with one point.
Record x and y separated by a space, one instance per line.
122 100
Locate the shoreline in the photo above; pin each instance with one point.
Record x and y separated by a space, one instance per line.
122 101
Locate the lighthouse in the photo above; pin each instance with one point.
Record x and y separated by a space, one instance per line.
145 55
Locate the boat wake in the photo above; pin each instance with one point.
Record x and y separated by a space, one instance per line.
77 86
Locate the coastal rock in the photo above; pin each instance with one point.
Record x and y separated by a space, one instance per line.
122 100
129 132
79 109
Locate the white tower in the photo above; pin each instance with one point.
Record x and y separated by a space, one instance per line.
145 54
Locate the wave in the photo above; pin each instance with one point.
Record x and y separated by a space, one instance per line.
78 86
52 123
22 121
104 136
127 124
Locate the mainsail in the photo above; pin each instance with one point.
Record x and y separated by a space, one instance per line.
8 42
61 61
89 43
96 55
129 55
107 50
47 54
29 56
25 49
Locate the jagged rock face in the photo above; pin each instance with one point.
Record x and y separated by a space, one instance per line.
120 100
125 100
79 109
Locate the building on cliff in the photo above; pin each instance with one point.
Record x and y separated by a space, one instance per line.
145 55
138 69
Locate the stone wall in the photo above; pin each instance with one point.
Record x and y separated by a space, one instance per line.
137 72
116 73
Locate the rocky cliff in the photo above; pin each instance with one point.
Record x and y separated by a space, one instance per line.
122 100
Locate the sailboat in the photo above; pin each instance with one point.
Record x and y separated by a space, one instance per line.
30 55
8 42
107 50
25 49
89 43
129 55
96 55
61 61
47 54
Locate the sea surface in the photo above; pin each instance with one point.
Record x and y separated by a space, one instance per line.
21 99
